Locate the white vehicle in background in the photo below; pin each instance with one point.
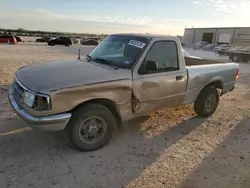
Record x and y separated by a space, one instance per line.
186 54
200 44
222 47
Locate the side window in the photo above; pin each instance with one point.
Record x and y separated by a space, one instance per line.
162 57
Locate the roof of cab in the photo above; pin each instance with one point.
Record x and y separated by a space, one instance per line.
146 35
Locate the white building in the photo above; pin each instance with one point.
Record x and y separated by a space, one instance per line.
223 35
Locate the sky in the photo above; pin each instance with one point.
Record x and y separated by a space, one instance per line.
113 16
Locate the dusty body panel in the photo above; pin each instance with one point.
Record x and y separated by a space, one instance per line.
115 85
153 91
118 92
202 75
59 75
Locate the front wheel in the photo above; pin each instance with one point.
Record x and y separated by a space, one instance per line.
91 127
207 102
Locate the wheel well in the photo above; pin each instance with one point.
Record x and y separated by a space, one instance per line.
111 105
217 84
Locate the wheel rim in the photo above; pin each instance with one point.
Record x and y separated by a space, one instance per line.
235 58
210 103
92 129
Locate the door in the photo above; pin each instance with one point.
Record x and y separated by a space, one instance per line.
59 41
208 37
161 79
3 39
224 38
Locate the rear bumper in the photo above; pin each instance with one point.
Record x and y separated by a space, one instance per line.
227 89
56 122
232 88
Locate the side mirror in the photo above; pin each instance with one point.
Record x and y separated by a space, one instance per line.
151 66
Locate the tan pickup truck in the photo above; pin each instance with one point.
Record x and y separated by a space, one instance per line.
125 76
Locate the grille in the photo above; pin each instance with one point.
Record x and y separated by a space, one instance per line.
18 92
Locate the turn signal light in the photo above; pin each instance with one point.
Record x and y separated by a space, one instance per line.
237 74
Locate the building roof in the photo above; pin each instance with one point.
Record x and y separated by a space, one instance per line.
218 28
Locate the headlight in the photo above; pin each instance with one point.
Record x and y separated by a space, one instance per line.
28 99
42 102
38 102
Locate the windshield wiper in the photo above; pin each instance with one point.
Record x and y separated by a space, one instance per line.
89 57
108 62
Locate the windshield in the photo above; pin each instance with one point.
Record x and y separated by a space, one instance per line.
122 51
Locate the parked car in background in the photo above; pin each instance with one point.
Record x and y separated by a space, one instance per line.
222 46
91 42
18 39
90 38
8 39
94 38
75 41
43 39
210 46
200 44
91 97
230 50
60 41
224 51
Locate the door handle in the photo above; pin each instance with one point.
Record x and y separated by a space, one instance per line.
179 77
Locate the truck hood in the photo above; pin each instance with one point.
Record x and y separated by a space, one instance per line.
52 76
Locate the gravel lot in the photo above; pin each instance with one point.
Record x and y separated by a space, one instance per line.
169 148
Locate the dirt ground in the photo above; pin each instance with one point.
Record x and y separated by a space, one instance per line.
169 148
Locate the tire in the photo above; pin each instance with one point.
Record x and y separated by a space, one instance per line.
11 42
201 104
235 58
84 114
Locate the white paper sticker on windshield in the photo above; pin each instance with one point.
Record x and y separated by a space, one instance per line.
136 43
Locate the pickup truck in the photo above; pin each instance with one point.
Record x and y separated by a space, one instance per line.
124 77
241 54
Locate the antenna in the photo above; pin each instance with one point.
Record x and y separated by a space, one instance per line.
79 53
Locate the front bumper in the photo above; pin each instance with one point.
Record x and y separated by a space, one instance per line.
56 122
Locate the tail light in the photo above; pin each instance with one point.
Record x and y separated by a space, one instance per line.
237 74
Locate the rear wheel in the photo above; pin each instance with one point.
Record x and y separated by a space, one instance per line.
235 58
207 102
91 127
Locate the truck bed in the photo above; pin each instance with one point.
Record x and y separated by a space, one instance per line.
195 61
207 72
